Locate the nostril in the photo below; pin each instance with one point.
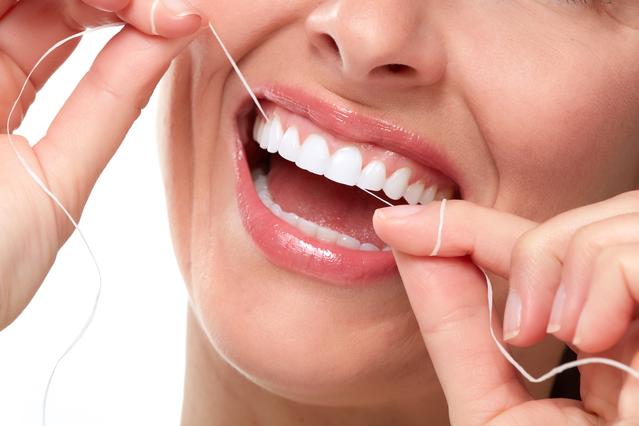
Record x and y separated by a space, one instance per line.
330 43
399 69
394 69
327 43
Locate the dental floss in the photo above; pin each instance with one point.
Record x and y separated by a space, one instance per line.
559 369
154 10
57 201
238 72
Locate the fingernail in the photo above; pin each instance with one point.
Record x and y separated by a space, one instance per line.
398 212
512 315
554 323
180 8
577 340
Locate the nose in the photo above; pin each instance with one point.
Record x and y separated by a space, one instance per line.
380 41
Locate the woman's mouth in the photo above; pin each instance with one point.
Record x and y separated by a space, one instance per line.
300 181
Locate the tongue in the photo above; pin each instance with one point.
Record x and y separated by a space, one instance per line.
345 209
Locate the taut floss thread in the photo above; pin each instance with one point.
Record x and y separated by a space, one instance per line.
594 360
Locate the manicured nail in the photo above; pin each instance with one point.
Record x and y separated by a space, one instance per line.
577 340
398 212
180 8
512 315
554 323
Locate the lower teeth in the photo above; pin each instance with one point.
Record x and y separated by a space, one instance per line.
307 227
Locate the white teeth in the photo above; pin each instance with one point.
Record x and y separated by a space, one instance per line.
307 227
396 185
345 166
429 195
313 155
368 247
257 128
291 218
326 234
274 135
414 192
348 242
262 133
290 144
373 176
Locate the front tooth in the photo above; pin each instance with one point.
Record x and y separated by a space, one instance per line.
414 192
313 155
373 176
345 166
348 242
307 227
326 234
290 145
429 195
396 185
368 247
274 135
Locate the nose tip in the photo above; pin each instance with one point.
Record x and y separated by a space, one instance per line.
381 41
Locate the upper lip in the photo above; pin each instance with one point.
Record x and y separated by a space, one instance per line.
349 124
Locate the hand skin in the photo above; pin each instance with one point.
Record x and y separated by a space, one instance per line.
79 142
592 250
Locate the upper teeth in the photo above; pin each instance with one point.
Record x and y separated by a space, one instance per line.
343 166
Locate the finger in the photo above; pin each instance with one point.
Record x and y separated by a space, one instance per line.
583 250
108 5
94 120
611 301
168 18
32 27
448 297
484 234
537 262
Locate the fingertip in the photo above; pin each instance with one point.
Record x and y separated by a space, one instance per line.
108 5
174 18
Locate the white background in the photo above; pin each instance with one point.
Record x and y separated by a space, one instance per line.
128 369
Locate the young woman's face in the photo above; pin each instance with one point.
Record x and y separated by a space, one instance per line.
529 106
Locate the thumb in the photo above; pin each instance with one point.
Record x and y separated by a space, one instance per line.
449 300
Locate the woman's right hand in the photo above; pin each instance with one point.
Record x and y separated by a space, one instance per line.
86 132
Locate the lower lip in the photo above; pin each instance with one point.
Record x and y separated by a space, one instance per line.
286 246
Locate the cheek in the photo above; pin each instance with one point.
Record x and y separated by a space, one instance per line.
569 118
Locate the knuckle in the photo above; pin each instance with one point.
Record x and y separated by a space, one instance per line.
585 241
530 247
98 80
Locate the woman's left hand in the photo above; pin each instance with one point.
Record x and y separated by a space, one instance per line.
575 275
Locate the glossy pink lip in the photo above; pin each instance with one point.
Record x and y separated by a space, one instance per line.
286 246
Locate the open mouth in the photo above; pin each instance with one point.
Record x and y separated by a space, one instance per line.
306 208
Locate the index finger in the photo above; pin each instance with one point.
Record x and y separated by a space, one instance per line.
95 119
486 235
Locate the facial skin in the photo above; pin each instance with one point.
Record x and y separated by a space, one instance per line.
536 101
